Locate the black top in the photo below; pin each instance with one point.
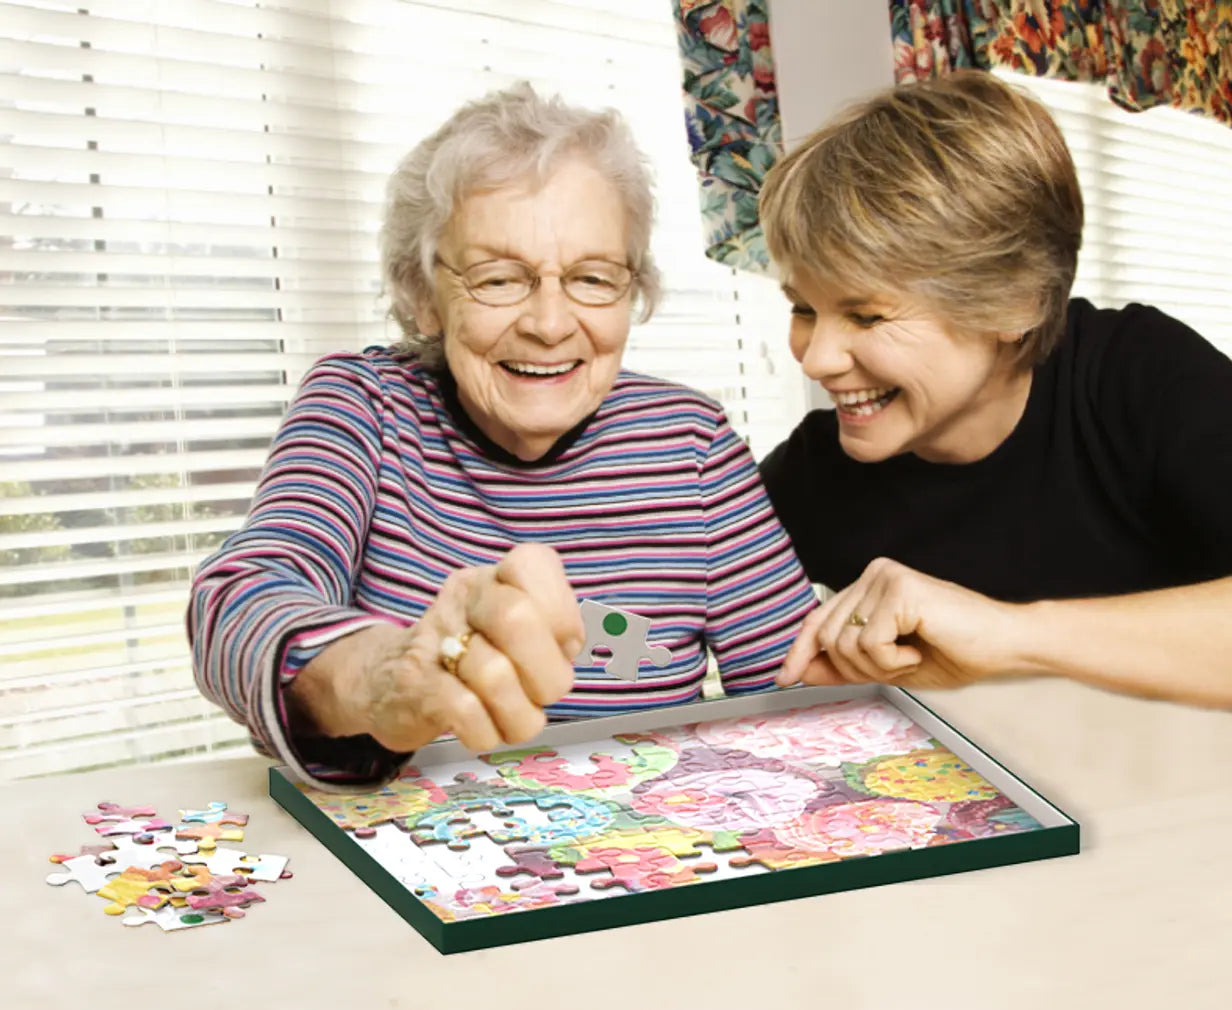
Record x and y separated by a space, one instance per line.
1117 478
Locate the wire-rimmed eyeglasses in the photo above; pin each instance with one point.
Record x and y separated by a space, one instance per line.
503 282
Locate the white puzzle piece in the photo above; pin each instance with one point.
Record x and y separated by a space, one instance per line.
223 861
170 918
129 853
624 635
87 871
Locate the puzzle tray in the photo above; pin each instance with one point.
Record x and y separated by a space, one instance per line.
1055 834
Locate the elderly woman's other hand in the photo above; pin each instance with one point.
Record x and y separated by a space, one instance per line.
521 626
897 625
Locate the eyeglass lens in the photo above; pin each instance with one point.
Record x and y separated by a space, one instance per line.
506 282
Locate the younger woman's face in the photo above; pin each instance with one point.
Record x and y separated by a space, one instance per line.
901 377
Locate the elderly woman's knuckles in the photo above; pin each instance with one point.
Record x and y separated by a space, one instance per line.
529 558
462 584
505 612
465 711
526 725
549 684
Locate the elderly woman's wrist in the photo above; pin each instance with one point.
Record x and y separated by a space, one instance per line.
331 695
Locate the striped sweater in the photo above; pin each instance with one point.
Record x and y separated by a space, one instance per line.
378 486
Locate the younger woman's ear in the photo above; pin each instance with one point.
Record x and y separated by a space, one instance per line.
1011 336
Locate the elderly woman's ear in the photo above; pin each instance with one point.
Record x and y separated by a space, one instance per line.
427 319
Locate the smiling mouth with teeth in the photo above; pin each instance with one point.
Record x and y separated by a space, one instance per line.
864 402
528 369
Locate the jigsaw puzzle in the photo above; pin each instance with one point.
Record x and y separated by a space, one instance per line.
621 634
702 805
177 878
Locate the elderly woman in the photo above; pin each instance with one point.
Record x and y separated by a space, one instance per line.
431 514
1011 481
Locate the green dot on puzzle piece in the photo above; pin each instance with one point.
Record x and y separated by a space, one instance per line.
615 624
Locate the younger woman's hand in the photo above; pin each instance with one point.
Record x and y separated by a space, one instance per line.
895 624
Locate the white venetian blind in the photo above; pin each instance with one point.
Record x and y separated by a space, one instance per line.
189 197
1158 205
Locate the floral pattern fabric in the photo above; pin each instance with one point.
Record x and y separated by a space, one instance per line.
732 115
1150 52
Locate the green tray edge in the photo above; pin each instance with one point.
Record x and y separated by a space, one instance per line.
693 899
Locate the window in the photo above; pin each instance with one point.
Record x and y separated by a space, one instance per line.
1158 208
189 199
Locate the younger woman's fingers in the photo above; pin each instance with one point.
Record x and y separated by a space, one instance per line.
820 671
804 649
857 627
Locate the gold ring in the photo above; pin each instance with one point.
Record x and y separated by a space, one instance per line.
857 619
453 648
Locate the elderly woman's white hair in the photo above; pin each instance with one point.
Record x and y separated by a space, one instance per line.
502 138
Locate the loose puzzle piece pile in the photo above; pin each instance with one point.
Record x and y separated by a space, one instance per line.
541 826
177 876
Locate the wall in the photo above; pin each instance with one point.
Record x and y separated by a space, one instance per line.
827 54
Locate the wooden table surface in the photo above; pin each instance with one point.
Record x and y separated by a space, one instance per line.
1142 918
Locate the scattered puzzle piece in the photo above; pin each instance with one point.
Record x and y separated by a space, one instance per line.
223 861
623 635
170 918
115 812
267 867
86 870
215 813
85 850
220 860
141 830
131 850
224 894
207 836
137 887
113 819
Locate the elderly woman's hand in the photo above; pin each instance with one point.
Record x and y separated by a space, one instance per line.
525 628
898 625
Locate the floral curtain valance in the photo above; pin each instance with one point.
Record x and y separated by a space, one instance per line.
732 113
1150 52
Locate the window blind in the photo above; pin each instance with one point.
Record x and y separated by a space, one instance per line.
1158 207
189 198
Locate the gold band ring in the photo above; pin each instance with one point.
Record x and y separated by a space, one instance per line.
857 619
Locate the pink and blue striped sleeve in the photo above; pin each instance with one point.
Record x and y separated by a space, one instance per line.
278 590
757 594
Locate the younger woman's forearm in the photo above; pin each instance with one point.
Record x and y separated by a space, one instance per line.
1173 644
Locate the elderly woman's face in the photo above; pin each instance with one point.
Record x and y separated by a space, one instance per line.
527 373
903 380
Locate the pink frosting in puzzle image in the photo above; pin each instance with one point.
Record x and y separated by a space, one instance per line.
844 731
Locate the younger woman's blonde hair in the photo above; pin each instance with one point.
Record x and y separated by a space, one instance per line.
959 190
